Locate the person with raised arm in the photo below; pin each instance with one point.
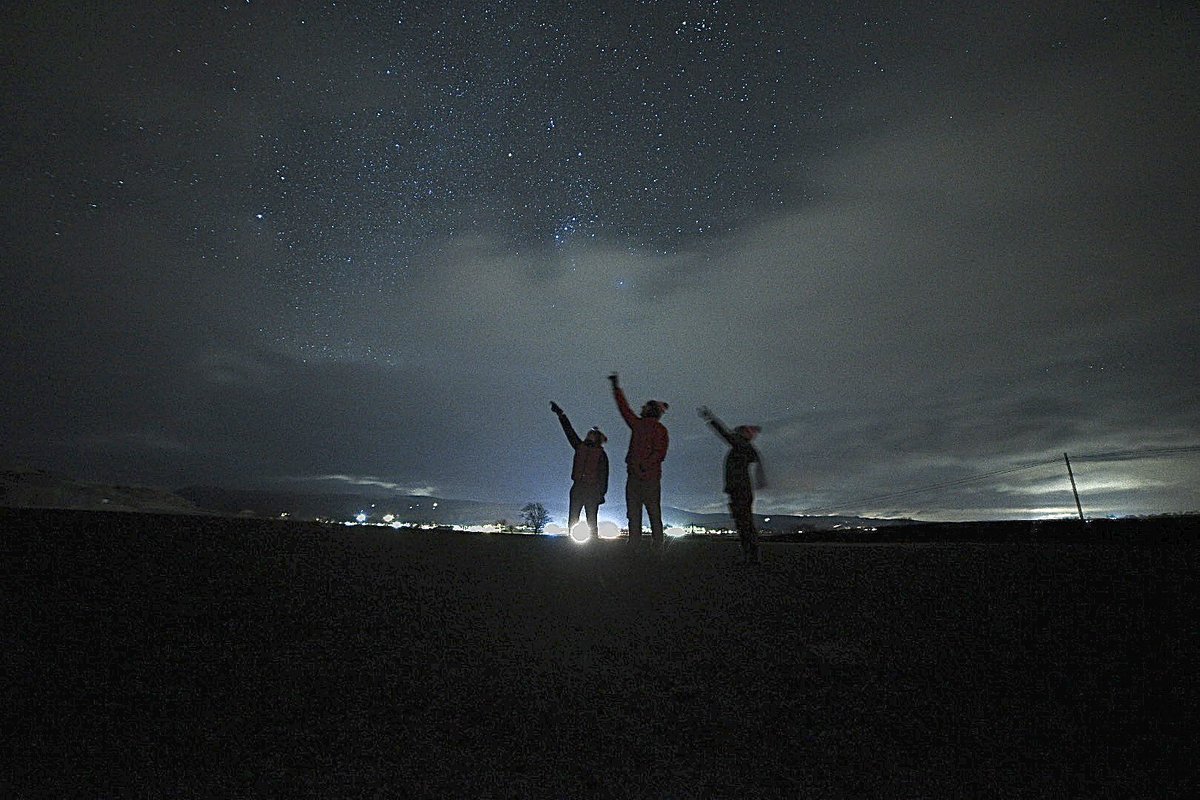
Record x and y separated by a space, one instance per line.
737 481
589 473
648 443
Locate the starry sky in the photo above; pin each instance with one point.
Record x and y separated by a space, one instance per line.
927 246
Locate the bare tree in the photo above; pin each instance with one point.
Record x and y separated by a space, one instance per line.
535 516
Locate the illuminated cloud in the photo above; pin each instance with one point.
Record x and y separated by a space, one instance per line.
369 480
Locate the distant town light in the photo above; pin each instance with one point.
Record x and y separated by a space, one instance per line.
389 517
360 518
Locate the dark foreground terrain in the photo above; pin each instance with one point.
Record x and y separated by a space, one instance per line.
174 656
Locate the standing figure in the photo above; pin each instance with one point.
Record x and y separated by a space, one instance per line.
647 449
589 473
737 481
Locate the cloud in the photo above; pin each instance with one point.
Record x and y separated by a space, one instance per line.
370 480
970 293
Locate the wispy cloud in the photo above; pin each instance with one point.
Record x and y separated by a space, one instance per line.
371 480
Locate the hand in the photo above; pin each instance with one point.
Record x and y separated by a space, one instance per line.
705 413
556 408
613 379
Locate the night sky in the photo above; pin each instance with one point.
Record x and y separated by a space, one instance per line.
317 245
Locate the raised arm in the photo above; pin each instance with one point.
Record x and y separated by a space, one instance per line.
622 404
716 424
572 436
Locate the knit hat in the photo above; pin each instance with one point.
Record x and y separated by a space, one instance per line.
656 408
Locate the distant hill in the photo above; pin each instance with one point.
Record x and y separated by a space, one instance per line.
38 489
783 523
444 511
344 506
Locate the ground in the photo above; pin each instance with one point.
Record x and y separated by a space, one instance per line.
153 656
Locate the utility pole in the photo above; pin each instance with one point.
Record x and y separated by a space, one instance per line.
1074 491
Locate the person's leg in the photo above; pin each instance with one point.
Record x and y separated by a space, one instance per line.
740 506
755 550
576 503
739 523
592 508
652 497
633 508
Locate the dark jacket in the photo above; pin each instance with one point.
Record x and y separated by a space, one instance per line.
647 445
590 467
737 462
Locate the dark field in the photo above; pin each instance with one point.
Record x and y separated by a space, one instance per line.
154 656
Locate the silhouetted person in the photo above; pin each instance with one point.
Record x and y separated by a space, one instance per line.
589 473
737 481
647 449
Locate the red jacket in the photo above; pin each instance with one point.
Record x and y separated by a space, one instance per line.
647 445
590 467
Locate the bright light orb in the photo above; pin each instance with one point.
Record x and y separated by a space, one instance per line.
608 530
675 533
360 518
581 532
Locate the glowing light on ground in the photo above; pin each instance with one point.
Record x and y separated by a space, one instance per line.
360 518
675 533
605 529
